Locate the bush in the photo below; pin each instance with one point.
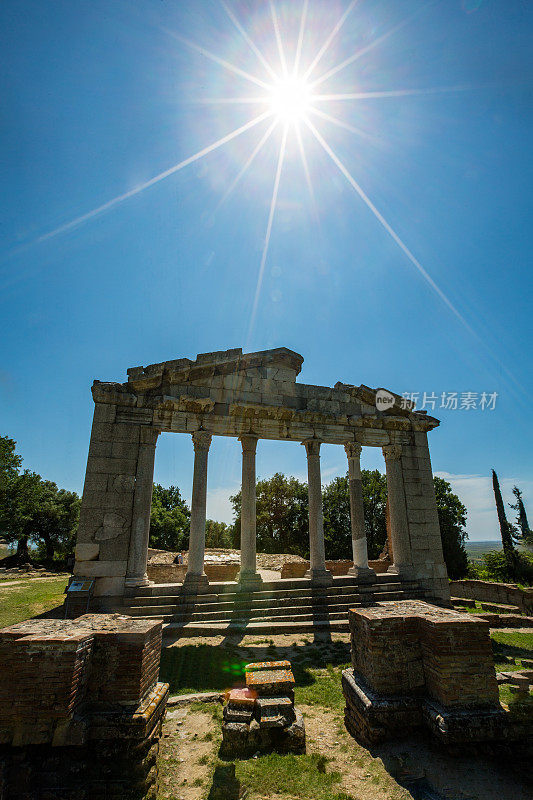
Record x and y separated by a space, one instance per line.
494 567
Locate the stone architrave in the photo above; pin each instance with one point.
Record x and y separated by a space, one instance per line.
249 578
360 569
142 504
196 577
401 544
317 569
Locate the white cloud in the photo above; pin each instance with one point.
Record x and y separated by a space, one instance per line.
475 491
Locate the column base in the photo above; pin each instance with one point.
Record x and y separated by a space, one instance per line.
195 582
363 574
249 581
319 577
139 582
402 571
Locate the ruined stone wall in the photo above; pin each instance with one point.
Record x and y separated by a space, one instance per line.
80 708
491 592
297 569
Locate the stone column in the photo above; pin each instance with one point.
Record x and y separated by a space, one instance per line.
360 567
142 504
249 578
401 543
196 578
317 571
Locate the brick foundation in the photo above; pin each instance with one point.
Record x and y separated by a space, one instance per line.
418 666
80 708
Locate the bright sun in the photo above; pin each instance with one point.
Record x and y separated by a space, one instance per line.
290 99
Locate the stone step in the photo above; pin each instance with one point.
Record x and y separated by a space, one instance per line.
174 631
287 584
179 614
161 596
223 604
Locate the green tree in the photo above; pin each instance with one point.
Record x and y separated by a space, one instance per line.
34 510
526 534
506 529
218 534
282 516
169 519
374 485
55 521
337 522
452 520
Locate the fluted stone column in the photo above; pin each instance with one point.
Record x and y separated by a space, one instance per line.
399 526
317 570
196 578
360 567
249 578
142 505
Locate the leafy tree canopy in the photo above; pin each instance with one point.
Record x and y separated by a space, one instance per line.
452 520
169 519
33 509
282 516
218 534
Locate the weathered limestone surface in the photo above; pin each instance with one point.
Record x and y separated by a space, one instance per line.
80 708
248 396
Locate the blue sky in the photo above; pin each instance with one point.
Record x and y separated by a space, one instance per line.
99 97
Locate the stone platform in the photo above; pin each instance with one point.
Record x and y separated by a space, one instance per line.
80 708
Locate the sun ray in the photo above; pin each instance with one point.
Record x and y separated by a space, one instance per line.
390 230
241 172
328 41
251 43
319 98
364 50
341 124
161 176
268 233
258 100
221 61
307 173
300 38
281 51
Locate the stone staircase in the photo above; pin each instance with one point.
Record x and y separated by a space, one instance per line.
282 606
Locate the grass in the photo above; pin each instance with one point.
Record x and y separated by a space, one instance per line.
305 776
30 598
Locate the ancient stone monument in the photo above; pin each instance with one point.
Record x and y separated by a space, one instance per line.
80 708
250 396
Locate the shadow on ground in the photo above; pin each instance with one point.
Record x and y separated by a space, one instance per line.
205 667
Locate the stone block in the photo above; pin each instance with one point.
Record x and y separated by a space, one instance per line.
112 466
86 551
100 569
109 587
270 682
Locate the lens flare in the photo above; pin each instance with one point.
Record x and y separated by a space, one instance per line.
290 99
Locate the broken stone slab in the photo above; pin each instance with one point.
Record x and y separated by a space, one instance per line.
237 713
271 682
275 711
198 697
267 665
242 697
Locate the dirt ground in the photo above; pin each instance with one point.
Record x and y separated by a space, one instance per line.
191 740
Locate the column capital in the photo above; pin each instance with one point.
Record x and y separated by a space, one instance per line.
248 442
392 452
353 449
312 447
201 440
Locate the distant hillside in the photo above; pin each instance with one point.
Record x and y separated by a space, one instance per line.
475 550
